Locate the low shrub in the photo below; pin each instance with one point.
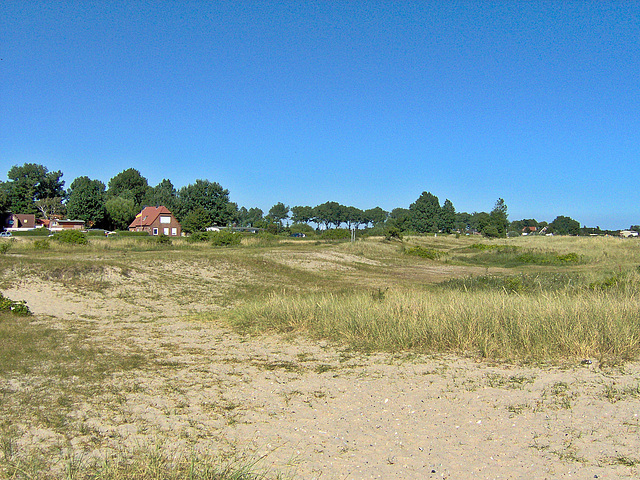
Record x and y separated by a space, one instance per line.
392 233
5 246
199 237
483 247
161 240
548 258
302 228
42 244
225 238
336 234
71 237
263 239
17 308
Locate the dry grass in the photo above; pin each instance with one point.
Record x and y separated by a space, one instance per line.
368 295
497 325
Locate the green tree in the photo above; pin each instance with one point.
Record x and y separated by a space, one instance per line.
425 213
301 214
129 184
197 220
243 214
164 194
463 221
29 183
447 217
564 226
479 221
375 216
498 220
278 212
255 217
400 219
328 213
49 207
4 197
210 196
120 212
86 201
352 216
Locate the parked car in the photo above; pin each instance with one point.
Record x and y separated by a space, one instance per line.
298 235
5 234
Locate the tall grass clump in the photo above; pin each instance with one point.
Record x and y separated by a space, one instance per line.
491 324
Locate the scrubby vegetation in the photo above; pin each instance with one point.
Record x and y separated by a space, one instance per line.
576 299
15 307
71 237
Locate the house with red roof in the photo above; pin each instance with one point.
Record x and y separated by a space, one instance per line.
156 221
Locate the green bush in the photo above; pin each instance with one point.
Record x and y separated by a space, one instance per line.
41 244
5 246
548 258
302 228
71 237
196 237
18 308
161 240
336 234
225 238
391 233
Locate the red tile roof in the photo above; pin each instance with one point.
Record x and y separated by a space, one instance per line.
148 215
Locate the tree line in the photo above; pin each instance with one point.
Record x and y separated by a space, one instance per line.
33 189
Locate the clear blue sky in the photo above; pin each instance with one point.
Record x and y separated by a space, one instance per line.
365 103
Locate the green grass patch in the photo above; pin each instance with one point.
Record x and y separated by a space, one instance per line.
425 252
515 256
523 283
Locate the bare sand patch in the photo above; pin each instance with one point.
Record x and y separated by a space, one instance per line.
315 410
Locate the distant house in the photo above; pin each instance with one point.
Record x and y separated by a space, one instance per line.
56 225
156 221
17 222
529 230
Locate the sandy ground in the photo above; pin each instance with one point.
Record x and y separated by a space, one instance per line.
314 410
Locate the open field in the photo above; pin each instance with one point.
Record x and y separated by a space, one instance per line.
437 357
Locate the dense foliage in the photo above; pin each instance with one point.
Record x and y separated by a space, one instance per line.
33 189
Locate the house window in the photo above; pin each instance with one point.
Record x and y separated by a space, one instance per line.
174 231
166 230
165 219
155 231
